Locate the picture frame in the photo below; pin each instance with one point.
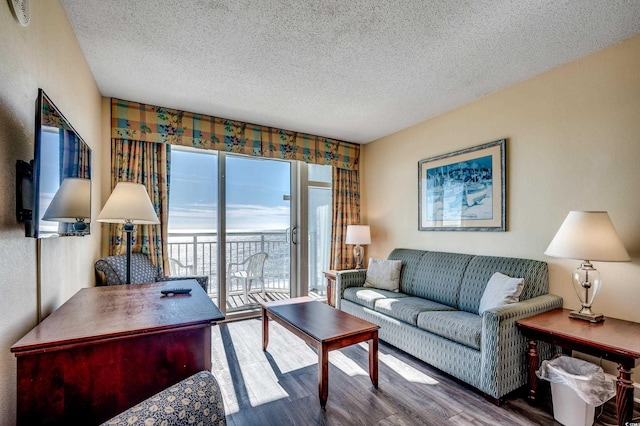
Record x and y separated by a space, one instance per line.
464 190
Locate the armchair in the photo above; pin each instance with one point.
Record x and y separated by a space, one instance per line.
112 270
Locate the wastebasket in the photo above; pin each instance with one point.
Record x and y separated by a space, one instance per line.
577 387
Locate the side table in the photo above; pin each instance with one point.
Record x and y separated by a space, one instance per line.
613 339
330 275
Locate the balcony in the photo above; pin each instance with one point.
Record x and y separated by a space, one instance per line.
198 252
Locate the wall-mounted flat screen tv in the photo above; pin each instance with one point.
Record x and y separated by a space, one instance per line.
61 176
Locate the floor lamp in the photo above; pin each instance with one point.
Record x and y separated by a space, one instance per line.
129 204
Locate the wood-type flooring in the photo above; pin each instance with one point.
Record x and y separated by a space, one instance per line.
280 386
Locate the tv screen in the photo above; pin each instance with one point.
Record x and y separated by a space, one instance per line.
61 176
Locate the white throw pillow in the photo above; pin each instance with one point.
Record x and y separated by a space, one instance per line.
383 274
500 291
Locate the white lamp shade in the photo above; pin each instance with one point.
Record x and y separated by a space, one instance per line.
129 202
71 203
358 234
588 236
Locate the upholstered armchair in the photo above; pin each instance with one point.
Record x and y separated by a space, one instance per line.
112 270
194 400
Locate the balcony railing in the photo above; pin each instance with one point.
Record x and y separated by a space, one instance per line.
199 252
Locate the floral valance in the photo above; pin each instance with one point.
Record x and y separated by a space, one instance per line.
136 121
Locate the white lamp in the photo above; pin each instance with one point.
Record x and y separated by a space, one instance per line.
71 203
587 236
358 235
129 203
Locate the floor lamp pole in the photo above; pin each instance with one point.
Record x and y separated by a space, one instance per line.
128 229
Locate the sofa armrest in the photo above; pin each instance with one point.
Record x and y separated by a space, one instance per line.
504 347
346 279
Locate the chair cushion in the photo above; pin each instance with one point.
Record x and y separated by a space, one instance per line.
459 326
407 308
194 400
367 296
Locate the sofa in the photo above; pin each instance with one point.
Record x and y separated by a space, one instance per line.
434 315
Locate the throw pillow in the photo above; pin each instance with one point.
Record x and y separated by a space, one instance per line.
383 274
500 291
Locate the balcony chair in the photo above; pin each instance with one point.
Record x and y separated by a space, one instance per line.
178 268
252 269
112 270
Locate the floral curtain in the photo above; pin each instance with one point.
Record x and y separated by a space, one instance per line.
146 163
346 211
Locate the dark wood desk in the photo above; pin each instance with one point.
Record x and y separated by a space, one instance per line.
108 348
324 328
615 340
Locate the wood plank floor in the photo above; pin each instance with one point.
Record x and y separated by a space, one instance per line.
280 386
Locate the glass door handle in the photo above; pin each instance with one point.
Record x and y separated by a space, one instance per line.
294 235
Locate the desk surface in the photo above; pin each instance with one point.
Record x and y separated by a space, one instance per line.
612 335
112 312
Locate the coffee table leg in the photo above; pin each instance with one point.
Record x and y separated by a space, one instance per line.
624 393
373 359
265 329
323 374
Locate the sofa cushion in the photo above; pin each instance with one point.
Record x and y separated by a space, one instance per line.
410 260
383 274
481 268
500 290
367 296
459 326
438 277
407 308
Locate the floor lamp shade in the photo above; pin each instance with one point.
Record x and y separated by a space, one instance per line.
129 203
587 236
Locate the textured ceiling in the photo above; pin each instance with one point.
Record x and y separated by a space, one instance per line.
354 70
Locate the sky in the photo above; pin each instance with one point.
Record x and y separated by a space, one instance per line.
255 190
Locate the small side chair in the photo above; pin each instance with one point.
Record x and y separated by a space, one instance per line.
112 270
252 269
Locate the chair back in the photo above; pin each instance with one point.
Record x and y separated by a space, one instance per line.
255 265
112 270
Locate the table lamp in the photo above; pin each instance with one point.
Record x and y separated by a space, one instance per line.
587 236
71 203
129 204
358 235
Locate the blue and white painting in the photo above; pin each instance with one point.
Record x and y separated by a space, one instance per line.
460 191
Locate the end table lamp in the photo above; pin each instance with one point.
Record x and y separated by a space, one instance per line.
587 236
358 235
130 204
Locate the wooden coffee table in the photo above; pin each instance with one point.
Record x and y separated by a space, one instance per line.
326 329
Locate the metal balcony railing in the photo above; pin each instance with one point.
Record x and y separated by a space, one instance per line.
199 253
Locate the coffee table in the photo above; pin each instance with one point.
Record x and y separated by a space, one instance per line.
324 328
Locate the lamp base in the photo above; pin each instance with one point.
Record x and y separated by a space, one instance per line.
586 317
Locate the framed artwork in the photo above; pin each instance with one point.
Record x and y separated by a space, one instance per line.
463 190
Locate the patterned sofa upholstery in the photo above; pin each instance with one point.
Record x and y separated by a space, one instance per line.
195 400
112 270
435 317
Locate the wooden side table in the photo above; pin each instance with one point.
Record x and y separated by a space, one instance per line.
330 275
613 339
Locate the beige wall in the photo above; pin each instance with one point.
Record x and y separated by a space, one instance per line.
45 54
573 143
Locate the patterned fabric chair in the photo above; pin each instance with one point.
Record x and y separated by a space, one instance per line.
194 400
112 270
